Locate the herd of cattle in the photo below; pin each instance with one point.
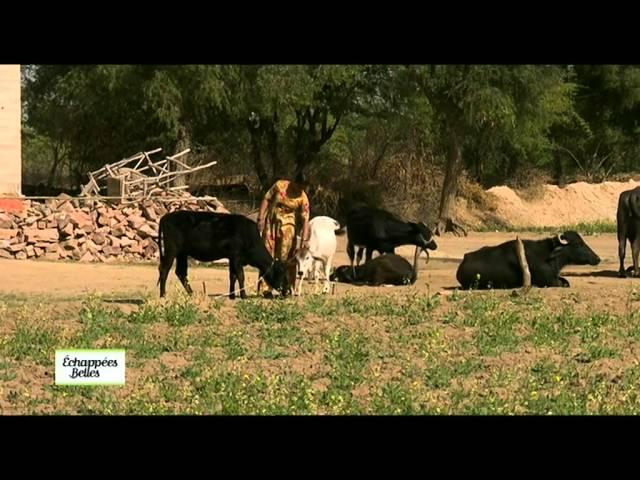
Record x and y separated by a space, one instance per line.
207 236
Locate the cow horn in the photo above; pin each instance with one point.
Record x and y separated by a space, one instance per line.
562 240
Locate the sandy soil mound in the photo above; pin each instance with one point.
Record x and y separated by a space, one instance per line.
575 203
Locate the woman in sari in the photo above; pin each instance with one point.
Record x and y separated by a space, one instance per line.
282 206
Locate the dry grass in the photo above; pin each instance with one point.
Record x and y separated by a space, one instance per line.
476 196
529 183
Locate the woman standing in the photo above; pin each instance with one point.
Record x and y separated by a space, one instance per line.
282 206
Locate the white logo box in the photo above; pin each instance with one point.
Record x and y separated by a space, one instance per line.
90 367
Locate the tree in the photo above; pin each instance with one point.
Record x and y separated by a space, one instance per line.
517 104
101 113
603 137
291 112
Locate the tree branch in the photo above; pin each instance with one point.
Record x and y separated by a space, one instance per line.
560 147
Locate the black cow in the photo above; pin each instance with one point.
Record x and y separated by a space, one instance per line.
628 219
498 266
377 229
387 269
208 236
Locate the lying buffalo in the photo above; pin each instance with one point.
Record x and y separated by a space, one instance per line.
499 266
387 269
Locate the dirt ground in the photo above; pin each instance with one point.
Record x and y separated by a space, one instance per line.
596 285
173 364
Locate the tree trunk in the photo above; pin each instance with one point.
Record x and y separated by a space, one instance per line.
182 144
450 188
257 160
54 168
479 169
301 162
276 164
272 145
378 161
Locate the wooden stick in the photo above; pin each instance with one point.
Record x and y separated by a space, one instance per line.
138 164
184 165
94 185
184 152
186 172
120 162
522 260
150 164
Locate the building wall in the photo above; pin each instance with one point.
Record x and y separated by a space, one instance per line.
10 131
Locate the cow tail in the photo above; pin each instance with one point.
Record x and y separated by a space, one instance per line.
160 242
160 251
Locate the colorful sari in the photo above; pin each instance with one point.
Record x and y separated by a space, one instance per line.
286 201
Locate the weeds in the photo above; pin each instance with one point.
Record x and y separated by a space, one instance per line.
476 353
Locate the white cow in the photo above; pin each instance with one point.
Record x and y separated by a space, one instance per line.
322 248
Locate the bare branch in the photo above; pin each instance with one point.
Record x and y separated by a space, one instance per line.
560 147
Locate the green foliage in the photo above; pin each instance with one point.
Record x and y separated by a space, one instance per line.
364 124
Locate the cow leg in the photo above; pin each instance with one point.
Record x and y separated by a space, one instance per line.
622 250
240 276
327 272
554 282
164 268
635 251
361 251
351 253
314 267
232 279
181 272
369 255
297 289
310 274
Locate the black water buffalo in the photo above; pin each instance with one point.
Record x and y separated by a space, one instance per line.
208 236
387 269
498 266
628 219
377 229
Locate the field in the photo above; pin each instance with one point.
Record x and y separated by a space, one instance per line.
424 349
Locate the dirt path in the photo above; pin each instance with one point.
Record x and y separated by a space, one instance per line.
597 285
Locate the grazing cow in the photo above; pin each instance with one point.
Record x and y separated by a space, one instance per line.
322 248
208 236
387 269
499 266
628 219
376 229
